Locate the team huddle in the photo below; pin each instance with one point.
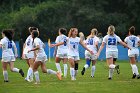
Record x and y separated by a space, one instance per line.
66 49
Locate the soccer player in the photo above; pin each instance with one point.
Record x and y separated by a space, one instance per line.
28 45
73 52
40 58
111 40
92 43
133 42
8 57
61 51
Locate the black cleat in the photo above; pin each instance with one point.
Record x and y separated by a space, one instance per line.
109 78
134 76
6 81
21 72
117 69
92 76
138 76
83 71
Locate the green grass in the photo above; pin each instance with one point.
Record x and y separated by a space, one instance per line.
121 83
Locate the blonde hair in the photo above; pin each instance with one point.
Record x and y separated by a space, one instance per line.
111 30
71 31
81 35
93 33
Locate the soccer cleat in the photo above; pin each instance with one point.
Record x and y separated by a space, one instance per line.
134 76
37 83
6 80
59 76
138 76
83 71
117 68
73 78
21 72
92 76
109 78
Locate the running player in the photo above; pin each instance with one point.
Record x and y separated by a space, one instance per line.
111 41
61 51
133 42
29 56
40 58
73 51
8 57
92 43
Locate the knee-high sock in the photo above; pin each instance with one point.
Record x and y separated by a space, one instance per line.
30 73
72 72
93 70
15 70
111 70
5 74
134 67
65 70
36 73
49 71
58 67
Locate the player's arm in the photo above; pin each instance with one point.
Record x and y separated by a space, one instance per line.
83 44
101 48
15 50
96 44
124 44
34 49
55 51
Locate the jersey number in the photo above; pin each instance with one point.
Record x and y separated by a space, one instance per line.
65 42
111 41
90 42
28 43
10 44
133 41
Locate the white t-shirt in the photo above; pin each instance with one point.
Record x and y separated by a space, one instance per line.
28 45
111 42
90 42
62 48
7 47
40 52
132 41
73 44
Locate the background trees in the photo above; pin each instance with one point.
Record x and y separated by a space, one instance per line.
49 15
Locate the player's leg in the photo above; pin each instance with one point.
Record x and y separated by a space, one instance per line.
14 69
72 65
115 56
87 65
93 68
76 60
65 59
5 73
57 63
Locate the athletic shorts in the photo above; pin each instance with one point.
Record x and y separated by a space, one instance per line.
62 55
41 59
133 52
28 56
112 54
8 59
75 58
88 55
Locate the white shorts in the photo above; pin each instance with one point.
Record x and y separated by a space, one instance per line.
62 55
8 59
29 55
88 55
41 59
112 54
75 58
133 52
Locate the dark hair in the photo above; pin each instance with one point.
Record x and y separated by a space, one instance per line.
9 33
132 30
32 28
63 31
35 33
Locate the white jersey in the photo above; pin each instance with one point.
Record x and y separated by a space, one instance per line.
28 45
111 42
40 52
7 47
62 48
132 41
73 44
90 42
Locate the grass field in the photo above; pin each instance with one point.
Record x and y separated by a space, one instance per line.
121 83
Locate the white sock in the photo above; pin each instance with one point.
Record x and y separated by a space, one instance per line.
133 71
93 70
15 70
49 71
5 74
111 70
30 73
86 66
65 69
72 72
58 67
36 73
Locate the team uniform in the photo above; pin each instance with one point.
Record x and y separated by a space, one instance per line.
132 42
40 54
28 46
73 50
90 42
62 49
7 52
111 45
